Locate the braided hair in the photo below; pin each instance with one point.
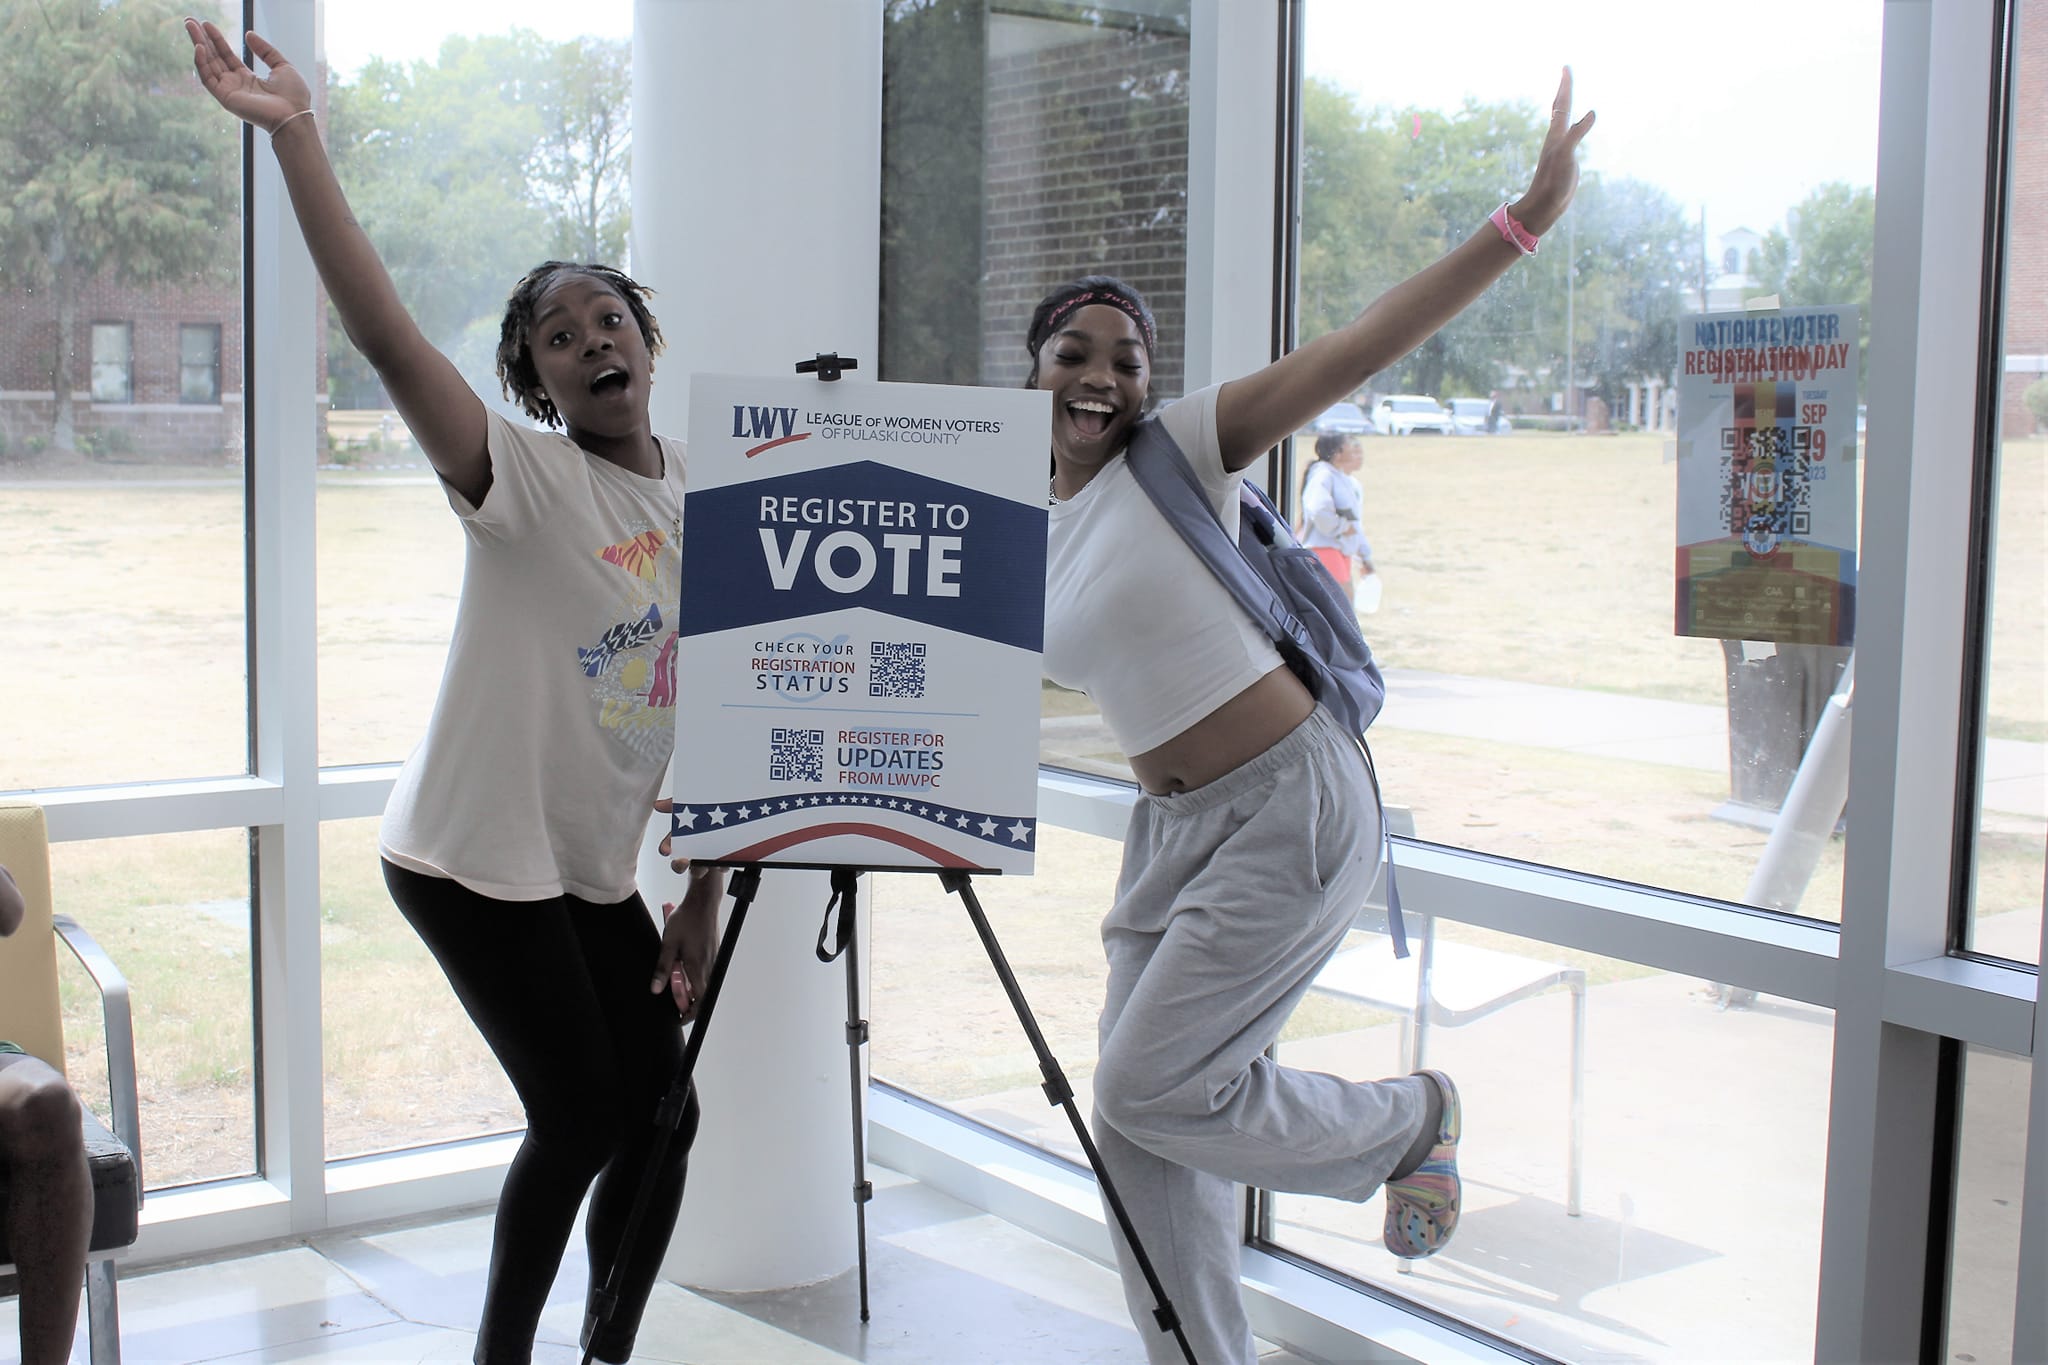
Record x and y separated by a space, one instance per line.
1089 289
517 376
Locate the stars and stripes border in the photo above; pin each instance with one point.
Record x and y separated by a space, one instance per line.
1011 831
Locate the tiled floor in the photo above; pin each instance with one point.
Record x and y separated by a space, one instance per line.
948 1285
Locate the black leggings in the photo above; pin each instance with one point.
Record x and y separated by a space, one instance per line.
558 988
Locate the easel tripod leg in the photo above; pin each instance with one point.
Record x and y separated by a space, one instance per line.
1060 1093
674 1104
856 1038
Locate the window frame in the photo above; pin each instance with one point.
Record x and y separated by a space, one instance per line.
202 329
104 327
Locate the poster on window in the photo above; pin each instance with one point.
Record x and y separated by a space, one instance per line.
862 612
1767 446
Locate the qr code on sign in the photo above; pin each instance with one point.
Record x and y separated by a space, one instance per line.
1767 478
895 670
796 755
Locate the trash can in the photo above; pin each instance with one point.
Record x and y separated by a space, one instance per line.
1774 705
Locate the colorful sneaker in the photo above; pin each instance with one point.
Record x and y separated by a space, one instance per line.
1422 1207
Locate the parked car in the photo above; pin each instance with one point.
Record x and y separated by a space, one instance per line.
1468 415
1404 414
1342 419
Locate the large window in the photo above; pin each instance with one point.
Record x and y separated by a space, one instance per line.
172 911
2011 805
123 624
1540 705
422 122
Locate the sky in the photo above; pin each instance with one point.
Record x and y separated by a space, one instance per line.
1738 109
358 30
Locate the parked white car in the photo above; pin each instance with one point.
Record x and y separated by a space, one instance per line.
1404 414
1342 419
1469 417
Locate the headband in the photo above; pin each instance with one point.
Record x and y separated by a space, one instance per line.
1117 301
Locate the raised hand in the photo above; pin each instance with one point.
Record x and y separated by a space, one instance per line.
1557 166
265 102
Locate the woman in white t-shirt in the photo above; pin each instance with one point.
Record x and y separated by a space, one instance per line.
512 836
1256 837
1332 509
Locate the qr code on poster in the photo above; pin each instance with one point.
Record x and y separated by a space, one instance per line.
1767 478
895 670
796 755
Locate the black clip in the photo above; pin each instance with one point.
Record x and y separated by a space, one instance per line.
828 365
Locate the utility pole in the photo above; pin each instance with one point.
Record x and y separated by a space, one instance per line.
1571 270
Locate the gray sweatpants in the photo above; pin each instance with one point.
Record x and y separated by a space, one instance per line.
1230 900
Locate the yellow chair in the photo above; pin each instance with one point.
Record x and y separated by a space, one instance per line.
30 1018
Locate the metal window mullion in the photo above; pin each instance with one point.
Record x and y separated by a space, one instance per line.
281 324
2030 1318
1232 136
1885 1137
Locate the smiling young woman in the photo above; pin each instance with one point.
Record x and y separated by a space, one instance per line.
513 833
1257 835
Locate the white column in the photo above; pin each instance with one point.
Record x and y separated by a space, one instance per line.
769 1202
1232 128
281 342
1910 648
756 215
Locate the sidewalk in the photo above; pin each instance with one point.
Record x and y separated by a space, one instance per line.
1598 724
1683 734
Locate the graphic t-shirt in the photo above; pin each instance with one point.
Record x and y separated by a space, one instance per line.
556 718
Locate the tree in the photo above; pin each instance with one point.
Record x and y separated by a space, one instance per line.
1360 233
469 170
1386 193
1633 256
113 162
933 112
2035 396
1821 258
580 162
1464 165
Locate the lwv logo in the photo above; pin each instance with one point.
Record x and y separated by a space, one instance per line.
751 423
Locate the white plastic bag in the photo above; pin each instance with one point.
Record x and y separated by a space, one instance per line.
1365 593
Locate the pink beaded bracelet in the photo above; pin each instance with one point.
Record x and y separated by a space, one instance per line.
1516 235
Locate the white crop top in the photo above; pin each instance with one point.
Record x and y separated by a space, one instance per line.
1132 615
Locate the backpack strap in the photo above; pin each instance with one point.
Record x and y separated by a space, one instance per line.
1160 468
1163 471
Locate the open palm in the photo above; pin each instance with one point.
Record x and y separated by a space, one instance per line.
1557 166
263 102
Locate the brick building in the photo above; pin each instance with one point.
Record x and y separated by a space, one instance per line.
1086 154
156 372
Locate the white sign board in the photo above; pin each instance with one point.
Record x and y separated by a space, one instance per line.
863 607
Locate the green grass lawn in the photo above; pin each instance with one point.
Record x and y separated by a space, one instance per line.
1536 558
